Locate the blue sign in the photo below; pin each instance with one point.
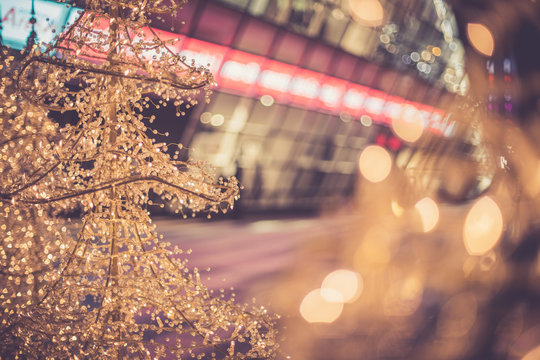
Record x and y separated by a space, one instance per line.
50 17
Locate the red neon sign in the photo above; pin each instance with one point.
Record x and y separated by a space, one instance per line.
305 87
332 92
240 71
354 98
252 74
275 79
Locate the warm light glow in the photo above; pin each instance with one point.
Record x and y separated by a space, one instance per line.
367 12
534 354
483 226
375 163
348 283
408 128
315 308
429 213
375 249
481 38
436 51
397 209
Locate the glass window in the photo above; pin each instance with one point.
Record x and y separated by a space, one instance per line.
220 110
271 179
217 24
258 7
263 119
366 73
280 149
317 123
360 40
278 10
319 57
293 120
344 66
335 27
256 37
290 48
241 4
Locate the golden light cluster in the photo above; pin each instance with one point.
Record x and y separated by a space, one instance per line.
438 276
107 286
325 304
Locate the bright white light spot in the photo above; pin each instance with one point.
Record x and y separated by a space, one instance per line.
483 226
375 163
217 120
267 100
429 213
315 308
366 120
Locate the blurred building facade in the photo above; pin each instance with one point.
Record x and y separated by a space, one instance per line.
302 86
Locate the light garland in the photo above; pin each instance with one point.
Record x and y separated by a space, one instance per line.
115 290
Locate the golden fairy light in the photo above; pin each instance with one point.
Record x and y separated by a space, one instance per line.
102 292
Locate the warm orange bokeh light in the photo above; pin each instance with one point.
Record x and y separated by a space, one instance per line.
429 213
348 283
409 127
375 163
375 250
315 308
367 12
481 38
483 226
533 354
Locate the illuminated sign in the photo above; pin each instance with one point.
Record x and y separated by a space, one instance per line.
275 79
254 75
305 86
202 53
50 17
240 70
353 100
332 93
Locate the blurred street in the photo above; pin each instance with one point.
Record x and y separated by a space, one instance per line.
414 298
244 253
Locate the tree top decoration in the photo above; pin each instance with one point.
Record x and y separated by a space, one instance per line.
115 289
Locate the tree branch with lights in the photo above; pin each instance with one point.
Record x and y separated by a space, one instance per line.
115 290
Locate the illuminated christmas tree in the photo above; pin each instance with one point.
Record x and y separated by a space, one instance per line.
114 290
